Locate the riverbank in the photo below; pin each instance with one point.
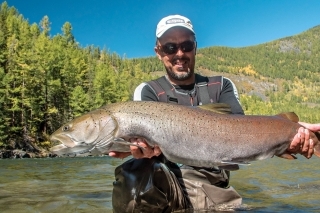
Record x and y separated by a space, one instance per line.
20 153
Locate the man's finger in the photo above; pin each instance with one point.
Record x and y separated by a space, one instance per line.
157 150
311 148
296 143
136 151
306 141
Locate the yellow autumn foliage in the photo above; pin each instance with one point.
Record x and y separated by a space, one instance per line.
248 70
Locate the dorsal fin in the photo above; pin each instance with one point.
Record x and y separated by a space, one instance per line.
217 108
290 115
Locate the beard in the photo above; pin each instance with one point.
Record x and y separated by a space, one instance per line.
180 75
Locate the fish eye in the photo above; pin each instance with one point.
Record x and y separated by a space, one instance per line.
65 128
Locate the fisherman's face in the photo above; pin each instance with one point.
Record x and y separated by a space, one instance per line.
179 62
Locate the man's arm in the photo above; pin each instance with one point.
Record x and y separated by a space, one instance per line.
229 95
144 93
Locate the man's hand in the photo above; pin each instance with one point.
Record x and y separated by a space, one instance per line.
147 152
137 152
119 154
302 142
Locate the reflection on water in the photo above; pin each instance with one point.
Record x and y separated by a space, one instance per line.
85 185
278 185
57 185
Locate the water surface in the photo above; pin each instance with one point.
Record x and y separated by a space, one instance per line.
85 185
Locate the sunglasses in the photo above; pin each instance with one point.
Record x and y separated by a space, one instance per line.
172 48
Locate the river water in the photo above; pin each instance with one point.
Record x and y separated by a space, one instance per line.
85 185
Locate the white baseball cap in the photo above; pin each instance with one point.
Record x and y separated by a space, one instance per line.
173 21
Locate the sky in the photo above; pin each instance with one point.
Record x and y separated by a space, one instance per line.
127 27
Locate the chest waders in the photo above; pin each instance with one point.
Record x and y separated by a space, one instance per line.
157 185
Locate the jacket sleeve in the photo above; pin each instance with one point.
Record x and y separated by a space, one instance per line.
229 95
144 93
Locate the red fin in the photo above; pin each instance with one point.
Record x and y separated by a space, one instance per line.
290 115
288 156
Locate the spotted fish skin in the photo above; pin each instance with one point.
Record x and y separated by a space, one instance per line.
191 136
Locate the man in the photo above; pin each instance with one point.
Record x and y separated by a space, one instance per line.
169 186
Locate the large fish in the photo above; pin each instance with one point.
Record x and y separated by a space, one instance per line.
191 136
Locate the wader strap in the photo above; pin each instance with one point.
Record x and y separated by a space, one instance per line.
164 90
202 87
214 87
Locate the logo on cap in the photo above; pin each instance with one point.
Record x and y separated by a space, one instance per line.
175 21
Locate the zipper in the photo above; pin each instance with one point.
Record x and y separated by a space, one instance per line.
191 99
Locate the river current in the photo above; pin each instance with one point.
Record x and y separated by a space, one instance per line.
85 185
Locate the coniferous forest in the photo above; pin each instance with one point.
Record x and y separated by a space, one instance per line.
47 80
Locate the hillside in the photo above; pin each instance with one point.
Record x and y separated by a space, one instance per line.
46 80
284 70
286 64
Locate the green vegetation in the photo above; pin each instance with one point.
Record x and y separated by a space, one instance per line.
278 76
47 80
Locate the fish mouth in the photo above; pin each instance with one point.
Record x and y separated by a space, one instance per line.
66 147
56 142
80 150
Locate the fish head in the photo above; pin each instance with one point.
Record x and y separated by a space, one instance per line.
85 134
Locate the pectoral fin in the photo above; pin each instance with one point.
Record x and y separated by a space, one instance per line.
235 162
120 141
231 165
